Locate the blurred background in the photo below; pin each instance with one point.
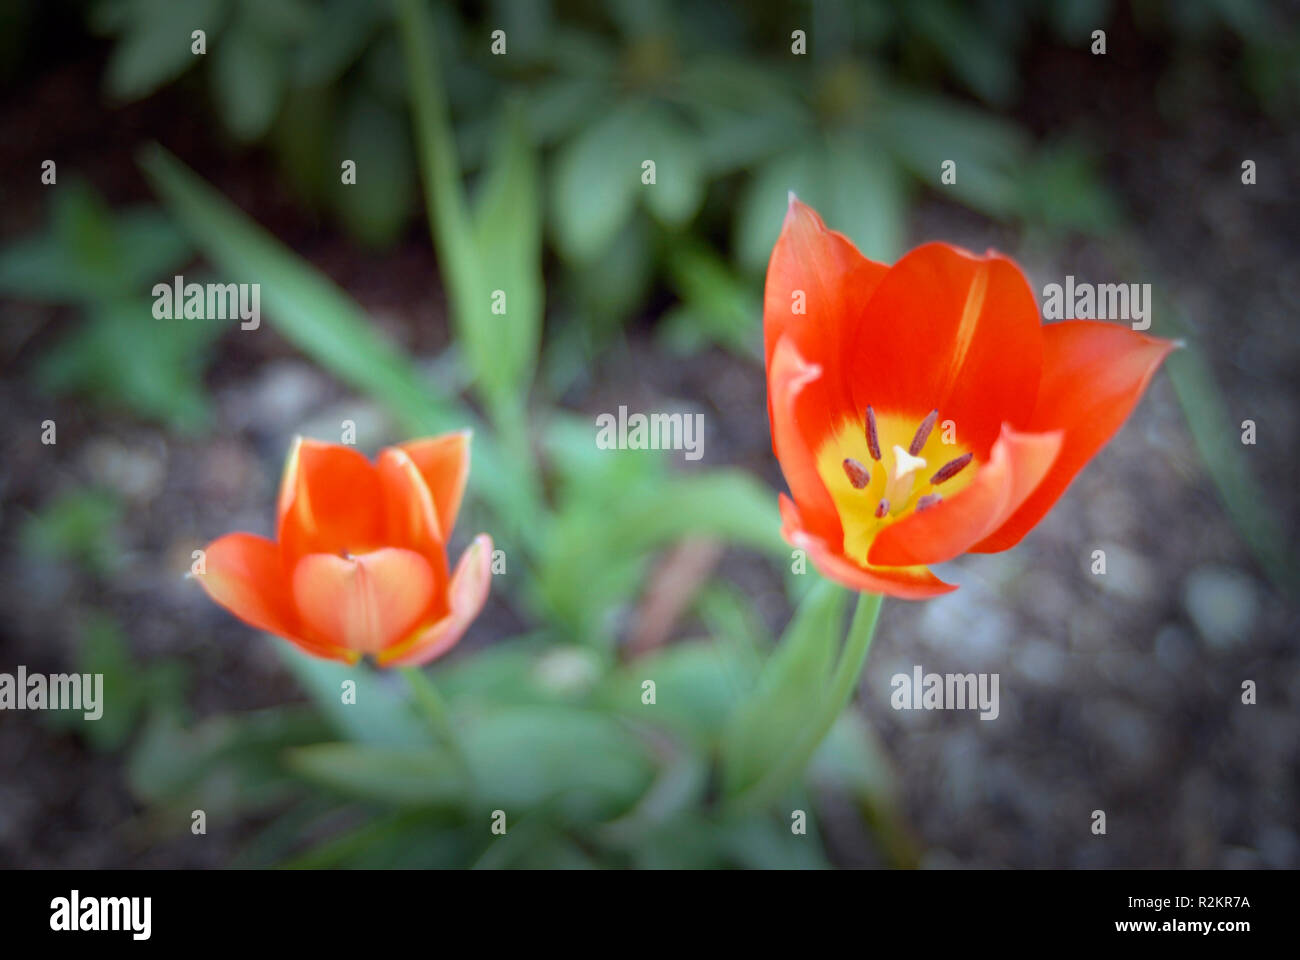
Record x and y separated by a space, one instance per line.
1119 693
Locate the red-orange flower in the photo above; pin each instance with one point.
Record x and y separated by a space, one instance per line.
922 411
359 563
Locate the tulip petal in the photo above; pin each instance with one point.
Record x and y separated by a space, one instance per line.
443 461
330 501
363 603
907 583
950 331
799 419
245 574
410 520
1093 376
468 592
1017 465
822 272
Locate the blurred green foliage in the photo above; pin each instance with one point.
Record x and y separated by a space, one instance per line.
78 526
104 263
587 773
135 690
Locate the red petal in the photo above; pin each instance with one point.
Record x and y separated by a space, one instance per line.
1093 376
410 520
467 594
836 282
245 574
799 420
443 461
1017 465
907 583
948 330
329 501
366 602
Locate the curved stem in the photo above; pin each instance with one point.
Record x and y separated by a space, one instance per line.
853 657
434 708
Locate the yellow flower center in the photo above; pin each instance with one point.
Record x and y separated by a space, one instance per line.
879 468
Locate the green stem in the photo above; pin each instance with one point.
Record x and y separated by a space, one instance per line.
853 657
435 710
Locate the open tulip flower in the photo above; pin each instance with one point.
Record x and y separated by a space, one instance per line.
359 563
922 411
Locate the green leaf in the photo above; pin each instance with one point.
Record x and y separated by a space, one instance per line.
340 33
1217 437
402 776
227 765
614 282
405 839
580 763
924 132
678 190
89 254
376 711
716 306
697 685
124 358
248 82
593 189
761 843
308 309
770 723
812 721
616 507
984 66
508 235
558 106
374 135
1062 189
499 243
281 20
868 197
156 46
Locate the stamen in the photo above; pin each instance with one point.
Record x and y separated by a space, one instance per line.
882 508
873 438
923 432
928 501
858 475
951 468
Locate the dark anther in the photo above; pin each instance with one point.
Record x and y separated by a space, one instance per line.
882 508
858 475
873 438
928 501
923 433
951 468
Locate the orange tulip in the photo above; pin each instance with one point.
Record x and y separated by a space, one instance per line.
359 563
922 411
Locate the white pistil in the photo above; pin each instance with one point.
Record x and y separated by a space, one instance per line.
898 486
